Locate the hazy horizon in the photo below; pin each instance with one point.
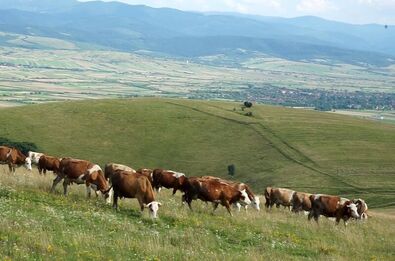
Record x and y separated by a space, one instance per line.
348 11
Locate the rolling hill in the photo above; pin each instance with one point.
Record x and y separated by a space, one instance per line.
306 150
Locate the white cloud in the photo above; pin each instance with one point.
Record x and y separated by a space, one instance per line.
314 6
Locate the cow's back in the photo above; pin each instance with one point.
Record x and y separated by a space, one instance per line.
49 162
282 195
74 168
130 184
325 204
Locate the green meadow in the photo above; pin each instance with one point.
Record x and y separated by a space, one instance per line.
305 150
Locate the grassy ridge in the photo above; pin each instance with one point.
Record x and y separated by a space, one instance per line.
305 150
36 225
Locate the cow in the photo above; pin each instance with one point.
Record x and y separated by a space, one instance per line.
278 196
14 157
217 192
146 172
111 168
48 163
134 185
82 171
34 156
255 202
301 202
332 206
168 179
362 208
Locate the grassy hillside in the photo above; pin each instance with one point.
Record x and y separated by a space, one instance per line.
305 150
36 225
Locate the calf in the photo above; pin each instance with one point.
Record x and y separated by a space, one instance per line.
278 196
168 179
332 206
210 190
48 163
134 185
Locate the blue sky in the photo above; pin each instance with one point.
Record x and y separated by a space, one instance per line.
351 11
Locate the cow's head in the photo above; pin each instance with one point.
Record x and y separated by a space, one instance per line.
255 203
244 199
28 163
95 176
153 208
352 209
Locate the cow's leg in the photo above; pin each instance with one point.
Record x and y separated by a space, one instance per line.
215 205
311 214
174 191
10 166
226 204
44 171
65 184
88 190
55 182
188 199
141 204
115 200
39 170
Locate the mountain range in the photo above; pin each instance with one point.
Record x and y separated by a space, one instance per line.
119 26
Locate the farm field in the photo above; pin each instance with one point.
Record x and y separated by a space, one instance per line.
384 116
301 149
44 75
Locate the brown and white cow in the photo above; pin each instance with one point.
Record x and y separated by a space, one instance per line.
278 196
134 185
111 168
255 202
82 171
48 163
146 172
168 179
301 202
211 190
34 156
14 158
362 208
332 206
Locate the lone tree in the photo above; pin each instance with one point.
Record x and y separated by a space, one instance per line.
247 104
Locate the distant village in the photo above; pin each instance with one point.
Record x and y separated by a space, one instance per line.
318 99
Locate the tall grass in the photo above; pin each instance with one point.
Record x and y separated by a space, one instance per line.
38 225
